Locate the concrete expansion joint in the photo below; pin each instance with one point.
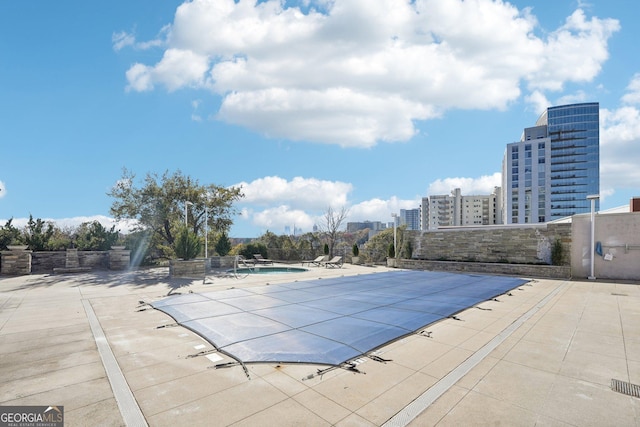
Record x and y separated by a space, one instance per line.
129 409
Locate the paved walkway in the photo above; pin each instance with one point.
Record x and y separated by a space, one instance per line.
543 355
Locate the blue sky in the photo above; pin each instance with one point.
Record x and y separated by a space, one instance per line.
310 104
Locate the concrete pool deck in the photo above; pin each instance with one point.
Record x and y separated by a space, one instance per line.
543 355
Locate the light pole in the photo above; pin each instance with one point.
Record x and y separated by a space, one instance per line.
206 226
395 245
186 213
592 249
206 231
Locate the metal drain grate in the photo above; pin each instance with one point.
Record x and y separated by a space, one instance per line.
625 388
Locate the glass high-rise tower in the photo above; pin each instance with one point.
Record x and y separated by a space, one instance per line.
549 173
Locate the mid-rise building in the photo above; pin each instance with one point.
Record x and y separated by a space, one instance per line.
410 218
371 225
549 173
458 210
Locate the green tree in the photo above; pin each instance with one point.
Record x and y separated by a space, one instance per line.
93 236
250 249
270 240
288 249
61 239
282 247
407 249
305 247
38 233
377 248
223 245
557 253
10 235
159 205
187 244
392 251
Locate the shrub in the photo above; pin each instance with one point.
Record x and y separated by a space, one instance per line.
250 249
407 250
10 235
392 251
187 245
223 245
557 255
93 236
355 250
38 233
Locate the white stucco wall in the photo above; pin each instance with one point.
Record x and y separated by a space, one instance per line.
619 235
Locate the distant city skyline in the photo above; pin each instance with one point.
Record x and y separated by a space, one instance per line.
305 104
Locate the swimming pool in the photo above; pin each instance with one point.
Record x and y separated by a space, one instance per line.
259 269
328 321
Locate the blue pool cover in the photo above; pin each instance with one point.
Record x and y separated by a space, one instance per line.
328 321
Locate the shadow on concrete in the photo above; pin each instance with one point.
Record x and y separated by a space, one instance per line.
139 278
136 278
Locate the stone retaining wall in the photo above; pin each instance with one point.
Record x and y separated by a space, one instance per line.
44 262
27 262
15 262
519 270
192 269
222 261
521 244
119 259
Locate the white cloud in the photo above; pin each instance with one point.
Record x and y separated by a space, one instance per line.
177 69
180 68
277 218
139 78
333 116
3 190
195 105
381 210
468 186
302 202
620 142
122 39
349 73
573 53
619 149
538 101
303 193
573 98
632 96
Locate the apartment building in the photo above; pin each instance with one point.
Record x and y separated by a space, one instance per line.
549 173
410 218
457 210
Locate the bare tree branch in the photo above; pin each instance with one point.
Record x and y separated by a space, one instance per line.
331 226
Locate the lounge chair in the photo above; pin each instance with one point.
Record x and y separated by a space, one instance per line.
245 262
335 262
260 260
317 262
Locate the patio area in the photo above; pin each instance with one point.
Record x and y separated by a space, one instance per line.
543 354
